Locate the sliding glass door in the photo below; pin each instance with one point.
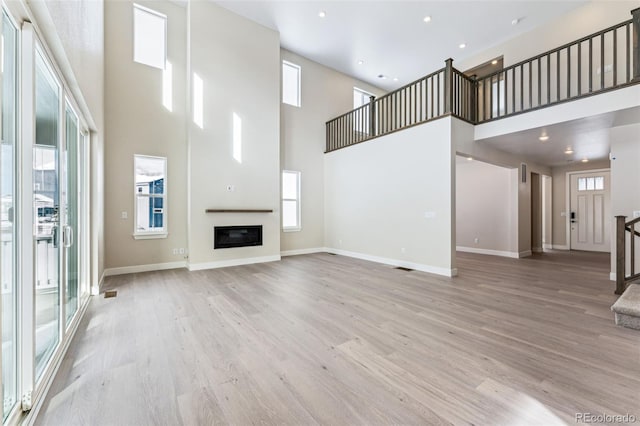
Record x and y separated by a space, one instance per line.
8 216
70 201
47 214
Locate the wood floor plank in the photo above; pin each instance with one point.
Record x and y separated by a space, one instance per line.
320 339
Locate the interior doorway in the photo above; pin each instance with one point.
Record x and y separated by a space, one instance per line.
590 210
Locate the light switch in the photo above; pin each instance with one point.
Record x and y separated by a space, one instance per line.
124 215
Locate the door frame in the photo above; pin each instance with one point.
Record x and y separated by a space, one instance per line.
567 194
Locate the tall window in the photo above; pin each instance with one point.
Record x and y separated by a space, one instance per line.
361 117
8 214
290 201
149 37
150 192
291 84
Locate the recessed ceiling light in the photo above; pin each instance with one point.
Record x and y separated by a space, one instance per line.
395 78
462 46
469 158
544 138
585 160
494 62
322 14
516 21
382 76
568 150
427 18
360 62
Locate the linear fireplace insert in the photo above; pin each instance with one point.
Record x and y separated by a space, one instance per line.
237 236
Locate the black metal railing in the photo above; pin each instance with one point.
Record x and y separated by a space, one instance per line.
626 264
605 60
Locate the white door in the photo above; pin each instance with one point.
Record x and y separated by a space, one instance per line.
590 214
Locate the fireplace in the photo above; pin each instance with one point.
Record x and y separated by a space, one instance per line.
237 236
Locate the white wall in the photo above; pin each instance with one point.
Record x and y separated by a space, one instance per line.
625 178
239 62
326 93
391 199
484 208
138 123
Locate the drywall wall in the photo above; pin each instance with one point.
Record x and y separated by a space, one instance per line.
625 178
485 208
391 199
560 218
138 123
592 17
326 93
238 62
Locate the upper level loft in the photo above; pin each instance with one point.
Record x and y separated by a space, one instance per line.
601 62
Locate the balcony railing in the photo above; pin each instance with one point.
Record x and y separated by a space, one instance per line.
605 60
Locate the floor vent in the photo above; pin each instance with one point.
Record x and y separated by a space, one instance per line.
331 254
110 293
402 268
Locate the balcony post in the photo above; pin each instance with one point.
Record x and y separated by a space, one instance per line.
372 116
473 99
448 85
635 36
620 254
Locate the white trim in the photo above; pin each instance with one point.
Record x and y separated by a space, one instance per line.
561 247
302 251
143 268
232 262
54 366
512 254
396 262
546 246
612 276
525 253
150 235
567 196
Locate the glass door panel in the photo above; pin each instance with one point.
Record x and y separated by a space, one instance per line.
71 196
8 216
46 208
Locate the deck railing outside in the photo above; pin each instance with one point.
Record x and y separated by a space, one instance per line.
605 60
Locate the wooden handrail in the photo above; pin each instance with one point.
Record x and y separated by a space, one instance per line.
572 71
622 227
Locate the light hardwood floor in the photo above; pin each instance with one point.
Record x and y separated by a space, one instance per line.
321 339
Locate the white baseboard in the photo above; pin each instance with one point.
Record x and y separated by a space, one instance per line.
144 268
546 246
232 262
525 253
395 262
559 247
302 251
512 254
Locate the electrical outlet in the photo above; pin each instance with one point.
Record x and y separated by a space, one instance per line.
124 215
174 251
181 250
476 240
231 188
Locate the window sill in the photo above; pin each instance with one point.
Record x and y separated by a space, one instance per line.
291 229
150 236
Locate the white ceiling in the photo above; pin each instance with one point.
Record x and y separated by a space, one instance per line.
589 138
390 36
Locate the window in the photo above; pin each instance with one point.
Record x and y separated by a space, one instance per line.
290 201
150 197
361 117
290 84
591 183
360 97
149 37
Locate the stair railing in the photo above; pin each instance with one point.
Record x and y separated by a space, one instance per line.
623 278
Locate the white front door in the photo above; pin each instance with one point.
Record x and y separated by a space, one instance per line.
590 213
